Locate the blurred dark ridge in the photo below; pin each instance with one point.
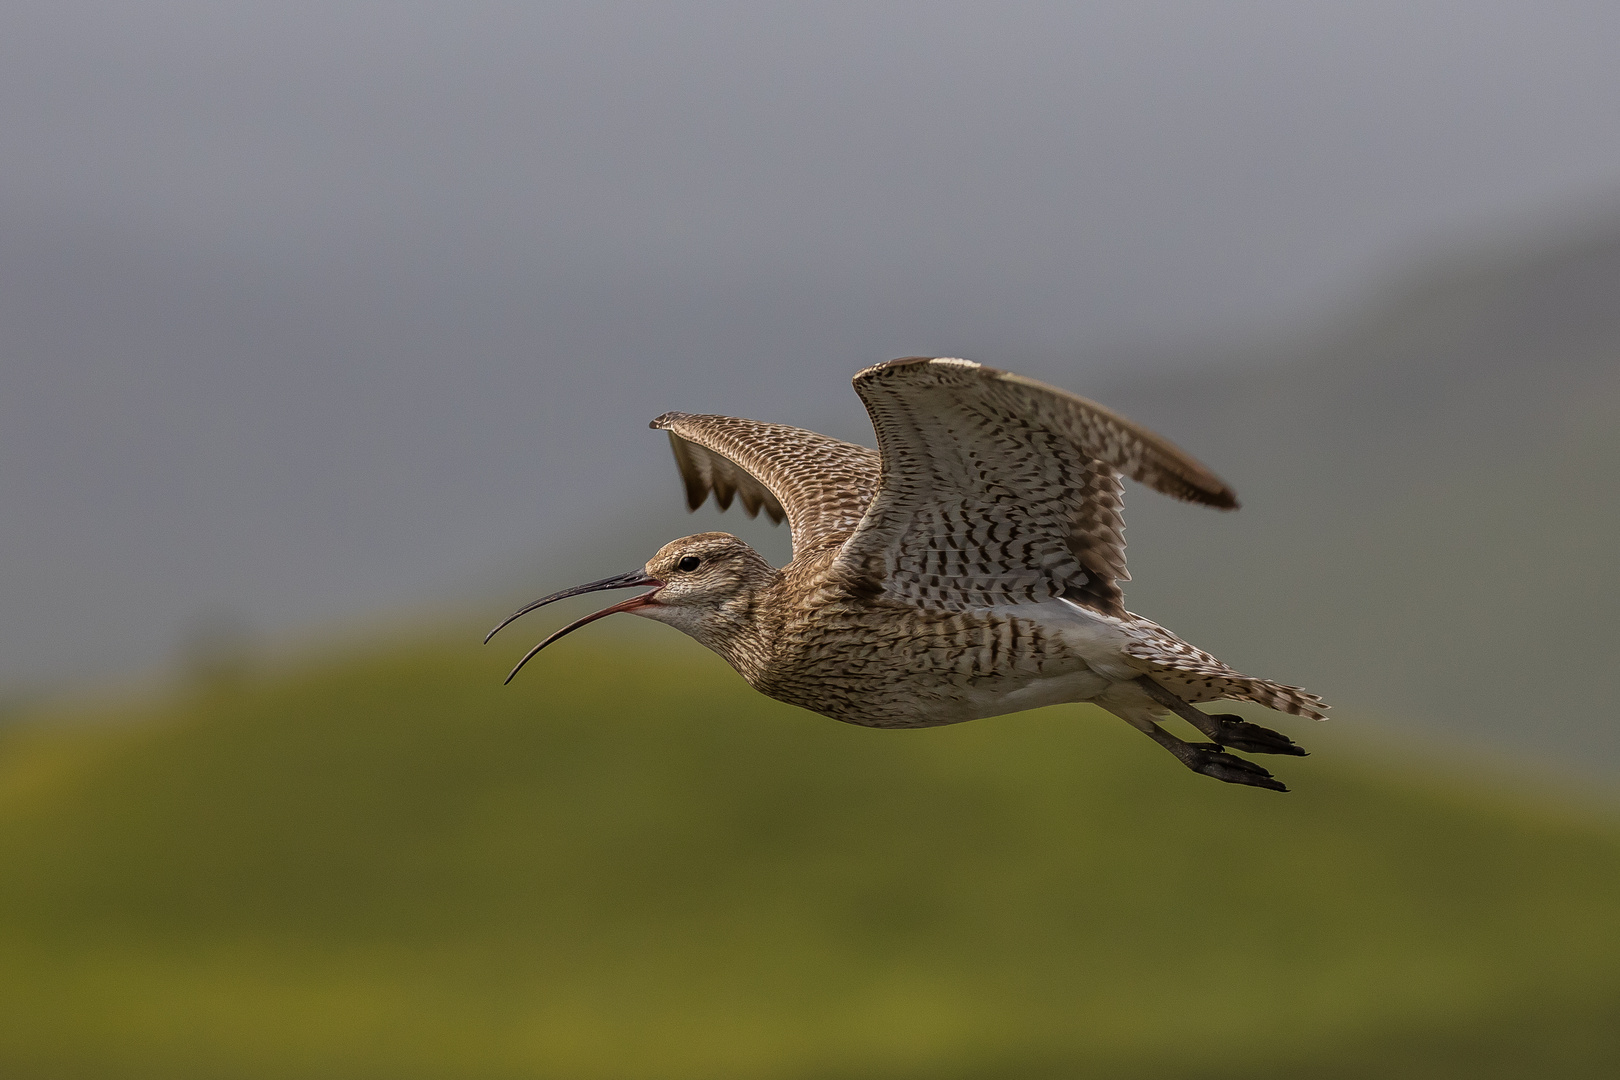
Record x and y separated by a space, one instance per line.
627 865
1430 505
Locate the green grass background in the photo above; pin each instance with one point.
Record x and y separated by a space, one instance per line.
629 865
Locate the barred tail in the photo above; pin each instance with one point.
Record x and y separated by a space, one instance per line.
1200 686
1194 675
1288 699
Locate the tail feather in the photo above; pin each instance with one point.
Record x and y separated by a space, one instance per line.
1194 675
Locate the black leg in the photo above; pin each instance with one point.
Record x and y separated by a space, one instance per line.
1224 729
1210 759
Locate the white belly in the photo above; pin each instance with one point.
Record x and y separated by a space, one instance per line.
1096 642
1009 695
1097 639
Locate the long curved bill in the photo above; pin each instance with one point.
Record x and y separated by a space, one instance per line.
622 581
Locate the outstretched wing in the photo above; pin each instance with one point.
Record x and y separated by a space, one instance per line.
820 485
997 489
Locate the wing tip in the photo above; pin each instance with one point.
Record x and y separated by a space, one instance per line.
912 361
665 421
1205 491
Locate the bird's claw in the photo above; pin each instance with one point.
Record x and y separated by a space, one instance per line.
1211 760
1235 732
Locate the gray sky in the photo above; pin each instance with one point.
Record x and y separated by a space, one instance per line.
307 310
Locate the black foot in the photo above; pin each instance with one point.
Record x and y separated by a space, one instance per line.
1210 760
1239 734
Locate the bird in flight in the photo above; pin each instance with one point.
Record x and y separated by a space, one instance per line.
966 568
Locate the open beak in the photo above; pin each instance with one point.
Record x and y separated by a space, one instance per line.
622 581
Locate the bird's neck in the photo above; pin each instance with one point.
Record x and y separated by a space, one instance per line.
746 629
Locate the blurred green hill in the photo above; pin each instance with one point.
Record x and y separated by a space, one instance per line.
629 865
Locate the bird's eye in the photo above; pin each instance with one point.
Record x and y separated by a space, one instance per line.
689 564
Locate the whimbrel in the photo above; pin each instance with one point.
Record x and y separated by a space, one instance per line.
968 567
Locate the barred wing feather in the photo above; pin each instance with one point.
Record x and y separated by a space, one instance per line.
997 489
820 485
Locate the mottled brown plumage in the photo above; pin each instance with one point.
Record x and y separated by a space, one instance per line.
968 567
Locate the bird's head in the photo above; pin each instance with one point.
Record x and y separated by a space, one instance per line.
708 586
